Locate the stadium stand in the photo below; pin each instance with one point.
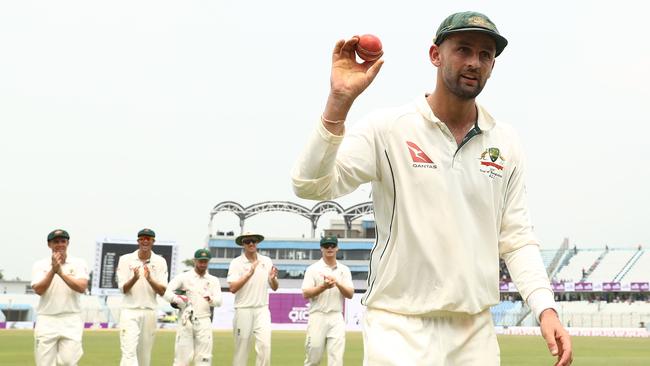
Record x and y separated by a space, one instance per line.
578 265
547 256
507 313
640 270
18 307
604 314
610 265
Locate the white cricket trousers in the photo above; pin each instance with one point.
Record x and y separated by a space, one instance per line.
57 339
249 322
137 332
444 339
194 341
325 330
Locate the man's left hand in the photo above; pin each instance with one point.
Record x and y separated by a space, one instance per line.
556 337
273 274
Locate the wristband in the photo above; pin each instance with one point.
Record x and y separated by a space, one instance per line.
325 120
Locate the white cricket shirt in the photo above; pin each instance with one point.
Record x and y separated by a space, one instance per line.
141 295
59 298
255 292
330 300
196 287
443 213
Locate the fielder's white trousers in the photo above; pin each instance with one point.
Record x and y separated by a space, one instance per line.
325 330
193 342
137 332
249 323
57 339
444 339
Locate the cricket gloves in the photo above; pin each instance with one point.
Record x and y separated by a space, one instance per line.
187 315
180 301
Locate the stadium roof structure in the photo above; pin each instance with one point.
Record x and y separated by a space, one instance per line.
312 214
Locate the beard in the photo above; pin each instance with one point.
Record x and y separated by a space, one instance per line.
455 85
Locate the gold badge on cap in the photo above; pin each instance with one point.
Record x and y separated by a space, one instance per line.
479 22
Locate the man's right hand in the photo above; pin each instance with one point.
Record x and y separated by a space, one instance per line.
181 301
136 274
348 79
329 281
253 266
56 262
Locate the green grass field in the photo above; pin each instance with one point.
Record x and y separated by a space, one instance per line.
103 348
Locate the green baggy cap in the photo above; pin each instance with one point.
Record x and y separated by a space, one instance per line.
146 232
58 233
470 21
202 253
329 239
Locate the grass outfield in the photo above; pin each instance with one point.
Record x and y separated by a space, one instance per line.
103 348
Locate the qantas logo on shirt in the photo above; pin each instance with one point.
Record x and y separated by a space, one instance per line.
420 159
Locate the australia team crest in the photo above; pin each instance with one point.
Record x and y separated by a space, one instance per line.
492 162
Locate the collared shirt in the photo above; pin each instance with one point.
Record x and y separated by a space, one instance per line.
330 300
196 288
59 298
141 295
444 211
255 292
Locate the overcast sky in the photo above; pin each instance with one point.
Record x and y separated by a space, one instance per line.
119 115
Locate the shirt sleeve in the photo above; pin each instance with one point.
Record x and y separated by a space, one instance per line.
233 271
161 272
529 275
330 166
215 293
540 300
38 273
82 272
516 229
174 284
308 280
347 278
123 272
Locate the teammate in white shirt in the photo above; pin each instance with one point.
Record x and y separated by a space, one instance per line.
200 291
448 189
326 284
140 276
250 275
59 280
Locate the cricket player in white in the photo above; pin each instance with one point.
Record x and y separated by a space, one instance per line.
140 276
59 280
200 290
250 275
326 284
448 189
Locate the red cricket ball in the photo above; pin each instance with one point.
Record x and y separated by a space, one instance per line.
369 47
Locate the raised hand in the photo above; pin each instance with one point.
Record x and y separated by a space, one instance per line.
273 273
57 262
147 273
136 273
251 271
329 281
350 78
